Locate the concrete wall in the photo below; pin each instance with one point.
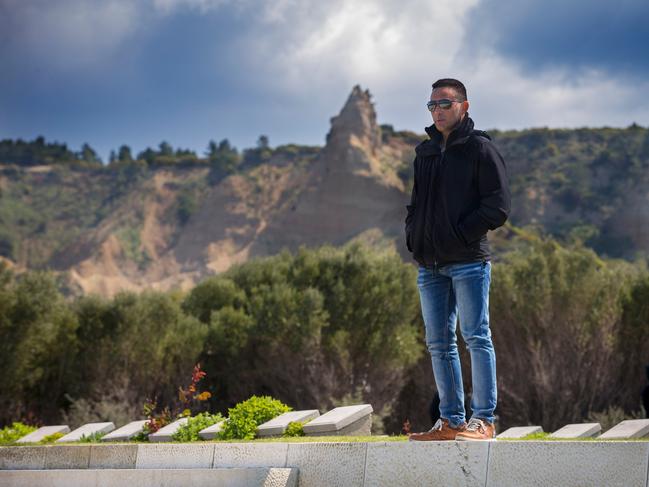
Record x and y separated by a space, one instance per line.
487 464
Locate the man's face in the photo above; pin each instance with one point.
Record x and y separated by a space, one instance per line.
446 120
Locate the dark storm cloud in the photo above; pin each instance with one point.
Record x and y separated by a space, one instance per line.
612 36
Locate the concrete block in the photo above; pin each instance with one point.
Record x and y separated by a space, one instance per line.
277 426
336 419
520 431
67 456
581 430
250 455
630 428
235 477
280 477
42 432
586 464
23 458
175 455
112 456
48 478
126 432
328 464
447 463
165 433
211 432
87 430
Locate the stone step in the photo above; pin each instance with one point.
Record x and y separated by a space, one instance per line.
209 477
380 463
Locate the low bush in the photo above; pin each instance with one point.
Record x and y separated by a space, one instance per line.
189 431
294 428
92 438
49 439
244 418
10 434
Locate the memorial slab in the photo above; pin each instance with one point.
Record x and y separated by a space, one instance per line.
165 433
126 432
277 426
579 430
40 433
630 428
334 421
87 430
520 431
212 432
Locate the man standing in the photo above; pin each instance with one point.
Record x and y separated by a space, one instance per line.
460 192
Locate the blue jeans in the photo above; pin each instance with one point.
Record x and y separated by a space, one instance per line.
444 292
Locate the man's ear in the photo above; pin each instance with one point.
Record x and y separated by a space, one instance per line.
465 106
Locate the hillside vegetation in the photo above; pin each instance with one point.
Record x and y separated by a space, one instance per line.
165 218
326 327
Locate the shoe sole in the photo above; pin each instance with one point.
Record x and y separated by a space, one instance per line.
475 439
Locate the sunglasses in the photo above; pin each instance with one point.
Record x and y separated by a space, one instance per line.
444 104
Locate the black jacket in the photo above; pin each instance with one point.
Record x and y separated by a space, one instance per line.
457 196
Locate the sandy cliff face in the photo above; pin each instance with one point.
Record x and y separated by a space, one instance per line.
346 192
350 191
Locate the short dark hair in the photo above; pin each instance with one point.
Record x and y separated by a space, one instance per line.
457 85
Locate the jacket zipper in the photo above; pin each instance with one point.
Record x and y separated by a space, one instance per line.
436 180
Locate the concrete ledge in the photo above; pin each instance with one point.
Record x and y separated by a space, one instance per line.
482 464
22 458
175 455
447 463
566 463
231 477
328 464
113 456
250 455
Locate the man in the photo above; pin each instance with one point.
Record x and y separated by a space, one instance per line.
460 192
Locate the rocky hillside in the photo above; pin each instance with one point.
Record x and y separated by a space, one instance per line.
138 226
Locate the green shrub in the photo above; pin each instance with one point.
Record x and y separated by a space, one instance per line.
9 434
246 416
51 438
92 438
294 428
189 431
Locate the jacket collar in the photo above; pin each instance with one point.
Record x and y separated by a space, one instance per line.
459 135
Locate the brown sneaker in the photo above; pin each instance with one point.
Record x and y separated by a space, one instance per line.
441 431
477 429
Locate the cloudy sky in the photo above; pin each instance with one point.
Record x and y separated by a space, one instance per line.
110 72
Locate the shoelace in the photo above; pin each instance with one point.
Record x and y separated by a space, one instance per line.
437 426
475 424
